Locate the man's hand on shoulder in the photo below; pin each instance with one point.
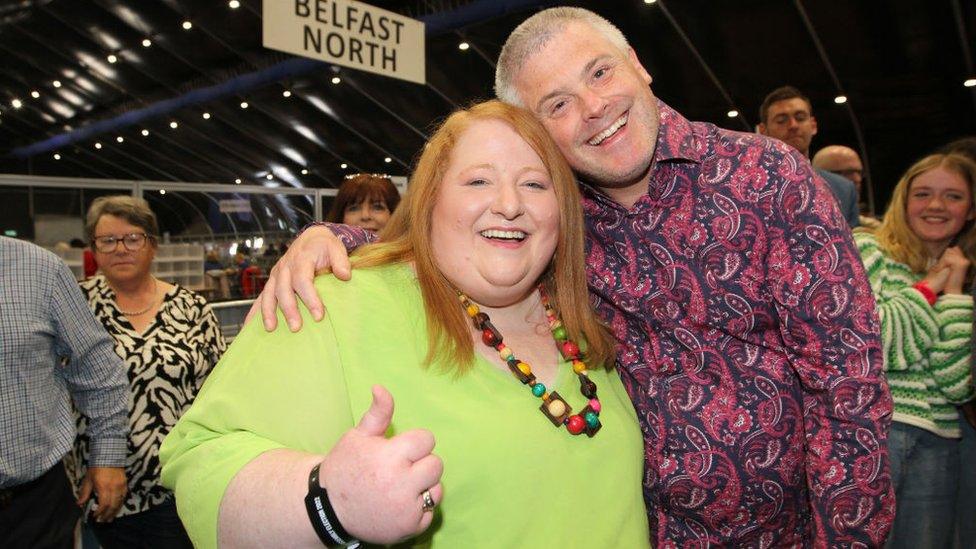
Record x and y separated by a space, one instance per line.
317 249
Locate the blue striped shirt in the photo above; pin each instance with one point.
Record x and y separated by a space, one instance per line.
52 348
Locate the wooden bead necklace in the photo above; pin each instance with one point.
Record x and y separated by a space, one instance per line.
553 406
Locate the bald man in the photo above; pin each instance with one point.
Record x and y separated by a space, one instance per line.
841 160
844 161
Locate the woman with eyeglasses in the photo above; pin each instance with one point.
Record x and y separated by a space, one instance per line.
365 200
169 339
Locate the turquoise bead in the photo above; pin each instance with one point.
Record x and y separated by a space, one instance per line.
538 389
591 419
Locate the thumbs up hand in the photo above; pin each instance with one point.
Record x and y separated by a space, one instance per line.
376 484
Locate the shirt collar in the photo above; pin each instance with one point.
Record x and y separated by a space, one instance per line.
676 139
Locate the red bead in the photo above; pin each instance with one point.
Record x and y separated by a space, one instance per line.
575 424
490 337
570 349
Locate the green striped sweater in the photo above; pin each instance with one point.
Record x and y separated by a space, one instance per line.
926 348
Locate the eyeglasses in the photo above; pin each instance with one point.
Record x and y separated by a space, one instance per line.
132 242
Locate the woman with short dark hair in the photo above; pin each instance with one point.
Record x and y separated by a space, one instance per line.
365 200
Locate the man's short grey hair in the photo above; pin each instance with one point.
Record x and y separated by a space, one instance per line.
134 211
533 34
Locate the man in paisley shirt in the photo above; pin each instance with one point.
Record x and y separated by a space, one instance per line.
748 338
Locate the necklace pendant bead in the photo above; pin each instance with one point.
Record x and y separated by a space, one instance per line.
559 333
591 418
525 377
538 389
587 387
556 408
505 352
480 320
570 350
579 366
575 425
490 336
553 404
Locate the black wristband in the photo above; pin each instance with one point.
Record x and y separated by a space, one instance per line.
323 516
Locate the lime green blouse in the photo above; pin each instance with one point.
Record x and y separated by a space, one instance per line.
510 478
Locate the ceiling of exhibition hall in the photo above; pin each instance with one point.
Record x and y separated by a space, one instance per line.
154 89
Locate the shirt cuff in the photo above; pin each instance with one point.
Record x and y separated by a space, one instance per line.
108 452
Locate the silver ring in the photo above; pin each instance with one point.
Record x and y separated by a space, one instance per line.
428 505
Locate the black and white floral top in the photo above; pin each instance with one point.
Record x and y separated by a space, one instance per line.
166 365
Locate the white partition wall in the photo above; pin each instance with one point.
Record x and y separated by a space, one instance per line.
193 217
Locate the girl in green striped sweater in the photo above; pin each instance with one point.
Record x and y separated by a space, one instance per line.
918 263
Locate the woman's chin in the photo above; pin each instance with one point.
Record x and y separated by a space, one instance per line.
501 293
124 274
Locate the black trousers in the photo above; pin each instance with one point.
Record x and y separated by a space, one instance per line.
39 514
157 528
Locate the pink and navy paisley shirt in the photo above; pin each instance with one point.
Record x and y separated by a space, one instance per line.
749 343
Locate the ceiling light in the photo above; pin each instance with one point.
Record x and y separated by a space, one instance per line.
56 83
463 46
187 25
304 171
146 42
269 176
120 139
206 116
969 83
145 133
98 145
244 104
234 4
238 181
35 94
840 99
112 58
57 156
387 160
343 165
16 104
336 80
649 1
732 114
173 124
162 191
286 93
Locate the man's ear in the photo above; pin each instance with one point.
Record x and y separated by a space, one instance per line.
814 120
632 57
761 129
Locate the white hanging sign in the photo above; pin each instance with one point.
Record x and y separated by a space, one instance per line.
347 33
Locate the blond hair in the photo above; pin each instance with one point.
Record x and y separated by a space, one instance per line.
896 237
534 33
407 238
